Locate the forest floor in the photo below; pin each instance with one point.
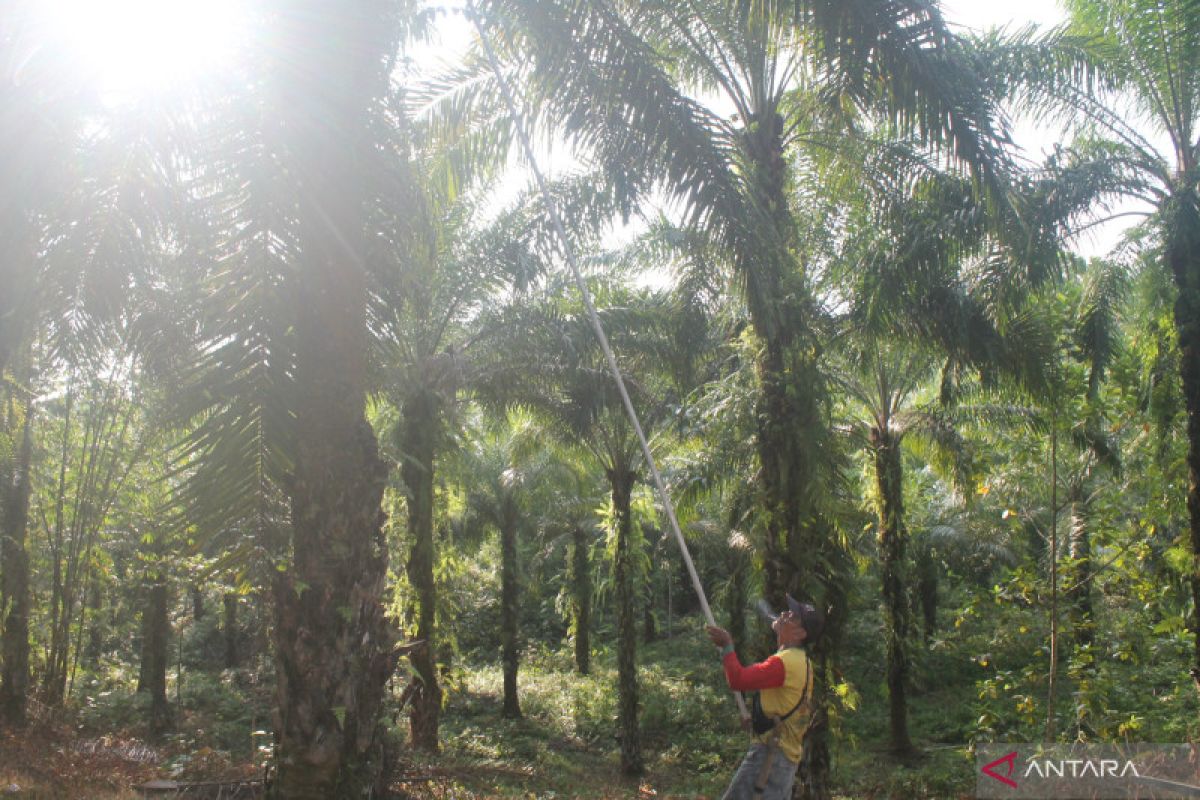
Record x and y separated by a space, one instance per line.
562 747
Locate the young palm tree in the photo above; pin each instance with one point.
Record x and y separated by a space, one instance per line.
558 372
891 388
502 469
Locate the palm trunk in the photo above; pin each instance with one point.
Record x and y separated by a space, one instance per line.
889 483
813 780
14 680
649 626
927 590
777 424
1182 254
229 629
509 614
418 443
152 675
197 603
816 762
775 455
335 649
621 482
581 599
791 428
334 646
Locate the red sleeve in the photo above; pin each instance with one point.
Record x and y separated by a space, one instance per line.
767 674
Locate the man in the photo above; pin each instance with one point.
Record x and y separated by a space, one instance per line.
784 681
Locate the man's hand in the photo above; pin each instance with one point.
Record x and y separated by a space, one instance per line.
719 636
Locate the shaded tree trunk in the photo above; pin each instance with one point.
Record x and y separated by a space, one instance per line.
927 590
1182 255
335 649
418 444
229 629
581 598
152 673
14 679
812 777
790 425
889 483
791 428
621 482
197 595
509 616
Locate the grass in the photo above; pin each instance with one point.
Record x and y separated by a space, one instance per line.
565 746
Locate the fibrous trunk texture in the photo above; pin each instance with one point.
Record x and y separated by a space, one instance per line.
621 482
889 485
335 649
418 444
229 631
152 675
1182 253
581 599
927 590
509 615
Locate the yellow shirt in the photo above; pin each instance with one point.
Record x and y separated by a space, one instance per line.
779 701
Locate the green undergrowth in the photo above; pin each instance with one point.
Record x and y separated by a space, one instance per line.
981 678
564 746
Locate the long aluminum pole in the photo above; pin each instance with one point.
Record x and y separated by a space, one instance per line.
572 262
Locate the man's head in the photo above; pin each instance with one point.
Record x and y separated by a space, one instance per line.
801 624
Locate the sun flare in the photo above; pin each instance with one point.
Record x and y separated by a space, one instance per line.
130 47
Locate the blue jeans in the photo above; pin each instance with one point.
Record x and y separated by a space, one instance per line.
779 779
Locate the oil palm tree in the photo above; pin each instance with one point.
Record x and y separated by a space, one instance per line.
623 102
286 197
558 372
1123 73
894 390
430 283
1097 343
503 468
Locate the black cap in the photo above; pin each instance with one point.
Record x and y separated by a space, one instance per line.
810 617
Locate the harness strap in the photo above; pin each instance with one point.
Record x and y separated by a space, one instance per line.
764 772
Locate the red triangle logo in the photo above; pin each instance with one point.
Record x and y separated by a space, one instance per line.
1006 778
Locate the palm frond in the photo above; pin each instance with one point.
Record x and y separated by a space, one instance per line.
1097 332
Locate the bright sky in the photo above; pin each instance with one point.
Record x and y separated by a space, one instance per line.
129 48
1035 140
135 46
980 14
